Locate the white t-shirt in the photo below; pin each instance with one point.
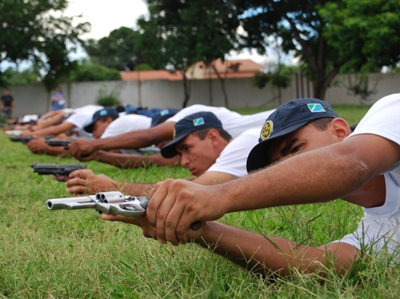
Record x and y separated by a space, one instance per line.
232 159
30 118
380 226
81 118
232 122
127 123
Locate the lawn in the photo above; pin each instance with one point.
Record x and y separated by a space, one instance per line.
74 254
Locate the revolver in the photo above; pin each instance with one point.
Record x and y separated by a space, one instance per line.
61 171
64 143
113 202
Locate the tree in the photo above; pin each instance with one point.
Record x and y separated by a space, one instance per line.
369 27
279 78
325 35
14 77
191 31
36 30
86 72
230 67
119 50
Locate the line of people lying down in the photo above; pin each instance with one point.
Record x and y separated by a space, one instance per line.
300 153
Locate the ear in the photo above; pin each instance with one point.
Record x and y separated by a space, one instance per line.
213 135
340 128
109 120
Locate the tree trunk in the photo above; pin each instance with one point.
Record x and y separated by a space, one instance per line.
222 81
319 89
48 102
186 90
322 83
139 90
210 90
69 104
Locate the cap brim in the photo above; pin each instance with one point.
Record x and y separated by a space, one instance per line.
258 157
169 150
162 119
89 127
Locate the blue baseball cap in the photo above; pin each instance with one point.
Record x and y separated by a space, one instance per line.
189 124
286 119
163 115
107 111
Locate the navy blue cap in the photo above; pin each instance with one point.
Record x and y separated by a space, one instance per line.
107 111
288 118
189 124
163 115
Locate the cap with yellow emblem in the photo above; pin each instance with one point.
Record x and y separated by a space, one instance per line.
286 119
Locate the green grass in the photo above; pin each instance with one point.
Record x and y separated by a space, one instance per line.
74 254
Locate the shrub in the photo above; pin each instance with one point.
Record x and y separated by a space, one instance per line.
108 98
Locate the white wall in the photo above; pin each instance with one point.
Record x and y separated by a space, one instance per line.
163 94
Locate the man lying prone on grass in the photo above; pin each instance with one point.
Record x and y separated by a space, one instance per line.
204 147
319 161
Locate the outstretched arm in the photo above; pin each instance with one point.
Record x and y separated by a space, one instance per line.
132 161
52 130
85 181
39 146
134 139
319 175
269 256
49 119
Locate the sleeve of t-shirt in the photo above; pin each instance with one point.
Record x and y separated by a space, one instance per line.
126 124
232 159
187 111
382 119
80 120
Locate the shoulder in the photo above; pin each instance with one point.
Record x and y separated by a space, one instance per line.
382 119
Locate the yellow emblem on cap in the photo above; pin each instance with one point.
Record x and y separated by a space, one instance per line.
173 133
267 130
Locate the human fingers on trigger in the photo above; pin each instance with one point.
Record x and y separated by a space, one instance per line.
109 217
75 173
129 220
74 181
168 216
78 190
175 229
161 190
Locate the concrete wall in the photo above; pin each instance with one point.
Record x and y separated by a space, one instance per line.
241 93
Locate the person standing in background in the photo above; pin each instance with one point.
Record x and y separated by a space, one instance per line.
7 105
57 99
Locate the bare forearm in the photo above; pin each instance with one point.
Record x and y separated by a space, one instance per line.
257 253
52 151
133 161
54 130
137 139
315 176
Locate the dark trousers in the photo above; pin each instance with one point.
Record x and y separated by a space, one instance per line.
7 114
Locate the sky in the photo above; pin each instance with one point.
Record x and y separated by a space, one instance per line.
106 16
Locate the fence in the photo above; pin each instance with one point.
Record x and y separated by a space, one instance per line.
241 93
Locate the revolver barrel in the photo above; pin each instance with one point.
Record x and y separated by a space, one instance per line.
72 203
